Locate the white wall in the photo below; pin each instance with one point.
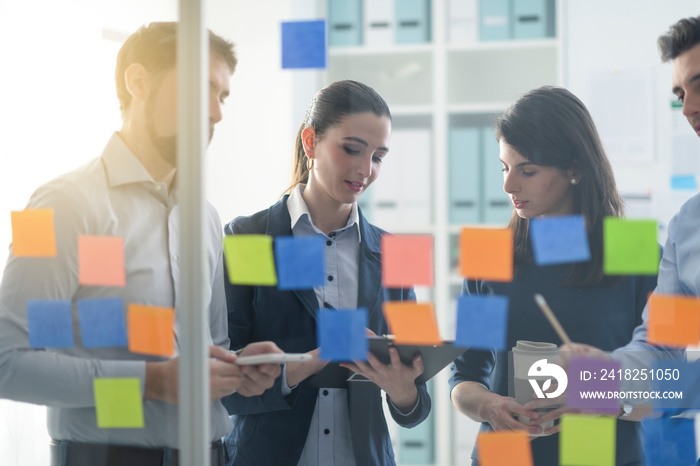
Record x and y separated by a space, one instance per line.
603 35
58 108
250 158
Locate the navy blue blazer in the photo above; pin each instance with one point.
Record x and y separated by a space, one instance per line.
271 429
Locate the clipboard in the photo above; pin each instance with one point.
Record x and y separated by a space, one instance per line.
435 358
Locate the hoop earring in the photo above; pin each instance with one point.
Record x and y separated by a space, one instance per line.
309 164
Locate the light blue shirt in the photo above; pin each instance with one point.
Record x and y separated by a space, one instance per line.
679 273
329 442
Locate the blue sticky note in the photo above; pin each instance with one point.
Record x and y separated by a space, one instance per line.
341 334
559 240
304 44
482 322
676 386
301 262
669 441
683 182
50 323
102 322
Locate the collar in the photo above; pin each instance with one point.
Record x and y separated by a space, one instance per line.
121 165
299 210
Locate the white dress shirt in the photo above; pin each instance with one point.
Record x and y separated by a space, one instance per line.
112 195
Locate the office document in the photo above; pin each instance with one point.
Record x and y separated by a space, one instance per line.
463 21
378 22
344 22
464 190
497 205
533 19
401 195
412 21
495 20
621 102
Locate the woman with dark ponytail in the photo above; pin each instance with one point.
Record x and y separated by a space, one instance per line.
338 154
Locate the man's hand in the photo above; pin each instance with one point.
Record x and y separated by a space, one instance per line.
255 379
298 371
574 350
225 377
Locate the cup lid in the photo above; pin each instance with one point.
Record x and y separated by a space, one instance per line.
526 345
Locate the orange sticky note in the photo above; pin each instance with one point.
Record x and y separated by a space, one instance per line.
674 320
101 260
407 260
486 254
151 330
412 323
499 448
33 233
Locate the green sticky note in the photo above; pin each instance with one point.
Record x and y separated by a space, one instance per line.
249 260
630 247
118 403
587 440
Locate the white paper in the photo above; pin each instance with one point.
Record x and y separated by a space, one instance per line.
621 103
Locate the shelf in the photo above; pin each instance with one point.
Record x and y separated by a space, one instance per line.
487 76
486 107
399 49
412 110
403 79
551 43
440 86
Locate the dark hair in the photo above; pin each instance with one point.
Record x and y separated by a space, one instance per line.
154 47
327 108
681 37
551 127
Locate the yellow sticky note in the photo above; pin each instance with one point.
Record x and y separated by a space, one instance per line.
101 260
151 330
486 254
674 320
412 323
587 440
499 448
33 233
118 403
407 260
630 247
249 260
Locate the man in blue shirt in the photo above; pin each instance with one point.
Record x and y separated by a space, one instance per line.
678 271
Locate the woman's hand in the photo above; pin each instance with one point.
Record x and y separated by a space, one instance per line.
501 411
560 408
396 379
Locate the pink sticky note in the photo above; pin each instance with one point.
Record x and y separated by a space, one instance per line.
407 260
101 260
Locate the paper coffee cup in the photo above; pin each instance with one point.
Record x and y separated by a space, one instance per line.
525 354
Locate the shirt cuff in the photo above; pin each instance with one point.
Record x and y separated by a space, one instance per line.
286 389
401 413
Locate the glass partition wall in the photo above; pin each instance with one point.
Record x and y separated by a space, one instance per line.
444 83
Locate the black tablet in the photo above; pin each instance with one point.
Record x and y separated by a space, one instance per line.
435 358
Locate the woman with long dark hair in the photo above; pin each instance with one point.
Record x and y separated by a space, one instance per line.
553 164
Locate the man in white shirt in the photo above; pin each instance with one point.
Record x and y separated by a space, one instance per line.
128 192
